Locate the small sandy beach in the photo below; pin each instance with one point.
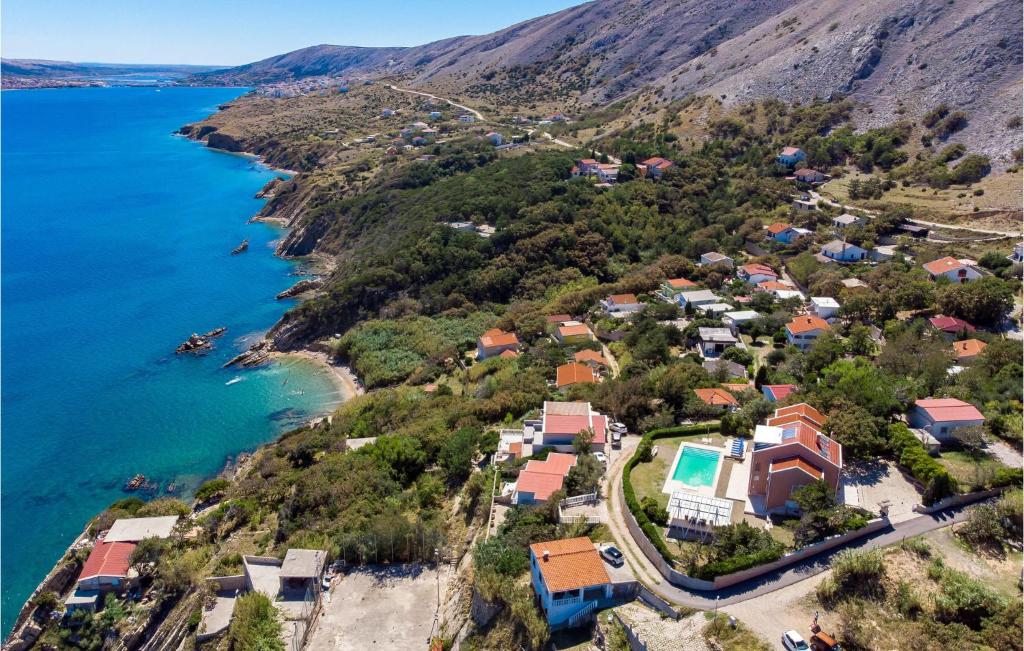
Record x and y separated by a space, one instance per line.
344 379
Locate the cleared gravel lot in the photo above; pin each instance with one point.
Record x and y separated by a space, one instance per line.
379 608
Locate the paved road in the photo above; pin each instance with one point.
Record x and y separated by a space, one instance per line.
816 196
648 574
478 114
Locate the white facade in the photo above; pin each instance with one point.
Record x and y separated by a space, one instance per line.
824 306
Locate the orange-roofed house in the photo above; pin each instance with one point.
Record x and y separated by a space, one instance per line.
653 168
621 304
755 273
494 342
786 457
509 354
561 422
570 581
558 318
572 373
803 409
968 350
717 397
539 480
672 287
803 330
591 358
941 417
573 332
108 567
781 232
957 271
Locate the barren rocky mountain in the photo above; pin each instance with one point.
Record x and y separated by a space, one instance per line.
897 58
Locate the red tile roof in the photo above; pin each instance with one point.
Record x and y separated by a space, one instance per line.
507 354
791 418
497 337
588 355
789 151
806 323
780 391
680 283
797 463
942 265
660 163
755 268
108 559
943 410
571 418
810 438
803 409
573 373
570 564
622 299
771 285
778 227
951 324
716 397
559 318
968 348
544 478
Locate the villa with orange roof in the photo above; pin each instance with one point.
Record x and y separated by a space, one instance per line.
108 567
781 232
571 581
790 454
941 417
561 422
790 156
653 168
494 342
716 397
957 271
539 480
967 351
573 332
572 373
755 273
672 287
803 330
591 358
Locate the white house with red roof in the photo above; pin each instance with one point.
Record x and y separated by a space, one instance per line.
539 480
108 567
755 273
791 156
654 167
494 342
941 417
561 422
621 304
805 329
957 271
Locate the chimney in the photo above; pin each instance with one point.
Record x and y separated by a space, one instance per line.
546 554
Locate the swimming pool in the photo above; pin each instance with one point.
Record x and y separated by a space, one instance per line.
696 467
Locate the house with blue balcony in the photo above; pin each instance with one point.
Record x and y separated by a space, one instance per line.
571 582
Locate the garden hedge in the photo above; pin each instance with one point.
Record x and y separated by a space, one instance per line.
649 528
912 455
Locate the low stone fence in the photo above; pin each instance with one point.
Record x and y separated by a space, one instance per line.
958 500
233 582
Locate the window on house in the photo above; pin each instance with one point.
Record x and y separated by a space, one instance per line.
593 594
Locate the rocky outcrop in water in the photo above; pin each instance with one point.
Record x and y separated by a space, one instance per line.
197 343
301 287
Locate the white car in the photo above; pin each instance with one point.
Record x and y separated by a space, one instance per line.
618 427
794 642
601 457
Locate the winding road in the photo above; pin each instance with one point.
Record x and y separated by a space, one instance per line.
919 222
478 114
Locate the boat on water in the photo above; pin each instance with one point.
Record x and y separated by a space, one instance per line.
241 248
234 380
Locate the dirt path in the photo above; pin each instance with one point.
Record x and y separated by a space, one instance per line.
919 222
613 364
478 114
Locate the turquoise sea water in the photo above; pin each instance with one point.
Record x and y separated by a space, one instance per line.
696 466
115 247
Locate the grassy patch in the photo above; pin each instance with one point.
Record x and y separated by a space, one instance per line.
649 478
731 638
970 469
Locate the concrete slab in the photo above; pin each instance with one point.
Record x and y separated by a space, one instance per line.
382 607
217 619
